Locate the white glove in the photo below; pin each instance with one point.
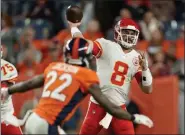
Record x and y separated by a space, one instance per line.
4 94
11 120
105 122
144 120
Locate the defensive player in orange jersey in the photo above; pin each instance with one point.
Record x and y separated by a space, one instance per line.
65 86
8 77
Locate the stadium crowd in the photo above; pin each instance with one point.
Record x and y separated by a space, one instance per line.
34 32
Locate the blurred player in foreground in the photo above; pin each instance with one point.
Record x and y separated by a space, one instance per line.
65 86
117 64
8 78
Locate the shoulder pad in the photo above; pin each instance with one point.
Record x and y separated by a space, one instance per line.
8 71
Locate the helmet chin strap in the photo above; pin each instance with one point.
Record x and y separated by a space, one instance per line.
123 43
125 47
78 62
86 62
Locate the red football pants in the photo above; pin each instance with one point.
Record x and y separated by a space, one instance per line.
10 130
96 113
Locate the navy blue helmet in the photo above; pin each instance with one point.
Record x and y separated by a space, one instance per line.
77 52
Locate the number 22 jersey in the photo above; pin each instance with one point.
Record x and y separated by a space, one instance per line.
65 87
115 69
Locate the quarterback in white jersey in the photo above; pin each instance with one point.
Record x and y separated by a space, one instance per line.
116 70
8 77
117 64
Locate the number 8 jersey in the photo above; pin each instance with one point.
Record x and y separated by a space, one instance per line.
115 69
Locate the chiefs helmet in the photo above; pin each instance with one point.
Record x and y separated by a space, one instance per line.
126 33
77 52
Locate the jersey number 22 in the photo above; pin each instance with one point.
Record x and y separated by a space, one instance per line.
56 93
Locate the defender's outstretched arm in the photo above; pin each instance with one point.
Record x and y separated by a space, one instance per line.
109 106
36 82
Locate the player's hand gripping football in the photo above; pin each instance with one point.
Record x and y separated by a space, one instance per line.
144 120
4 94
143 61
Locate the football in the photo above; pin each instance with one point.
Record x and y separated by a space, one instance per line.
74 14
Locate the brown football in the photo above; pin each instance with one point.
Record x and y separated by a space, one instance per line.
74 14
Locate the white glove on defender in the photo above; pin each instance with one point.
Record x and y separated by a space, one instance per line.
144 120
139 119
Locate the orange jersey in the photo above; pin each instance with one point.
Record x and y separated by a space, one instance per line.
64 88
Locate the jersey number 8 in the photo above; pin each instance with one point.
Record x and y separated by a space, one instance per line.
120 70
56 93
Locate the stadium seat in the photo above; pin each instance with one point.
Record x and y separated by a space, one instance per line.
19 23
171 30
42 28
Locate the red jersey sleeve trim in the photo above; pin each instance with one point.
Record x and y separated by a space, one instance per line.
97 49
138 77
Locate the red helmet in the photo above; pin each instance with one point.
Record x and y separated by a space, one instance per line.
126 32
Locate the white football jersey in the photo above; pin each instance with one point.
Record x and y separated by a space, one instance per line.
116 70
8 72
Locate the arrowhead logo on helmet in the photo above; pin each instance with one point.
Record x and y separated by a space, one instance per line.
126 33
